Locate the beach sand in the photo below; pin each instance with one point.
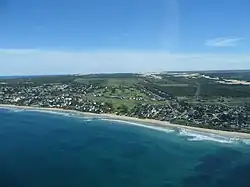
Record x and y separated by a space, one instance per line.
146 122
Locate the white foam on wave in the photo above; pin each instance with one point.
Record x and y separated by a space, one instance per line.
53 112
246 141
193 135
207 138
199 136
17 110
141 125
13 109
88 119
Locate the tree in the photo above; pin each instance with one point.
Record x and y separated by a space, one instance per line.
113 90
123 109
110 106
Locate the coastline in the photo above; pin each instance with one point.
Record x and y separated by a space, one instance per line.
165 125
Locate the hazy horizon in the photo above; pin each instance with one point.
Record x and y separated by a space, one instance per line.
110 73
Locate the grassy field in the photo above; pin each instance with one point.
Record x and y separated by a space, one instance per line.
118 102
108 81
127 86
124 92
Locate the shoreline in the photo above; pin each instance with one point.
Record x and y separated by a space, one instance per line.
165 125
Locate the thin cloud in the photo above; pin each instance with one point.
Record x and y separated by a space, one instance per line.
17 51
35 61
224 42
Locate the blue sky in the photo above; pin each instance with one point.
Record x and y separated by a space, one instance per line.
86 36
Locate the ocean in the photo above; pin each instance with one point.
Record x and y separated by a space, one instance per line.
39 149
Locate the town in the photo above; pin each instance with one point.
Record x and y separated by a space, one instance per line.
135 96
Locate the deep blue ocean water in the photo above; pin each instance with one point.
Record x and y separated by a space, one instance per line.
41 149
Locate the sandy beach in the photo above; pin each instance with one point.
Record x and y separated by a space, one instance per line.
145 122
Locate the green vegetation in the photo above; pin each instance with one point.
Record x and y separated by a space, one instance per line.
187 98
108 81
115 102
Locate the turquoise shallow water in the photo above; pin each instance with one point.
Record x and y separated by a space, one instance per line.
41 149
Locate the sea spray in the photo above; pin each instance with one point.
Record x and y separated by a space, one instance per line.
245 141
141 125
79 154
191 134
52 112
200 136
12 109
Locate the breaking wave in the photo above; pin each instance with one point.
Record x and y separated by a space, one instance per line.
13 109
246 141
207 138
190 134
199 136
52 112
141 125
